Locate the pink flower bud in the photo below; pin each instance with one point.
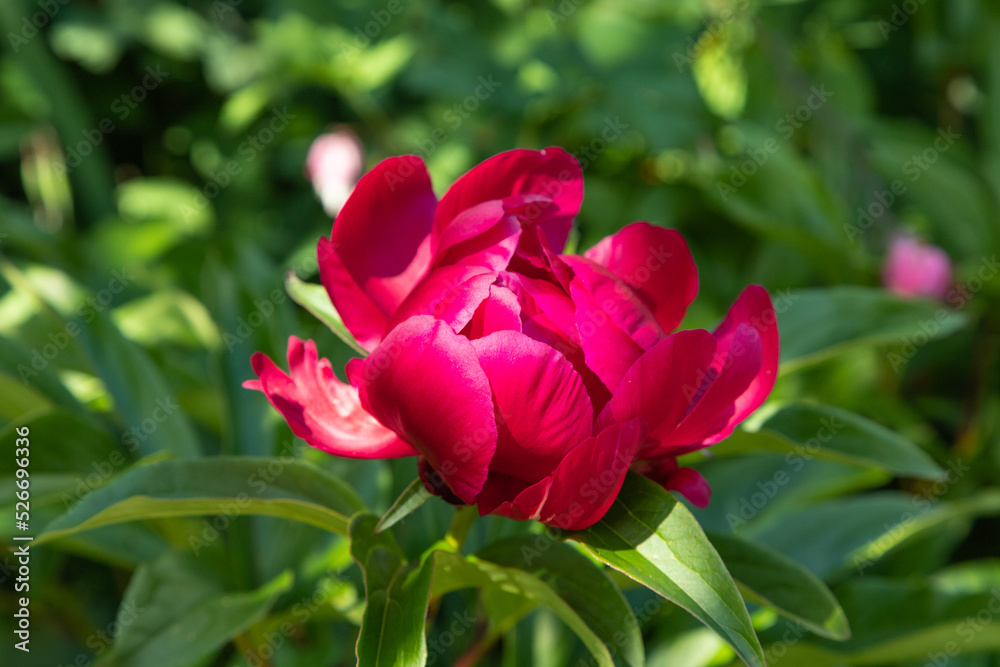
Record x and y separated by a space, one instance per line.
334 164
916 269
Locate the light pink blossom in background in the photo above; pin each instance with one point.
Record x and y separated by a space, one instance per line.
334 165
916 269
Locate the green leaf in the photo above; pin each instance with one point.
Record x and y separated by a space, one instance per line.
377 65
907 620
17 399
168 316
751 491
412 497
695 647
124 545
244 430
392 629
833 537
285 488
820 323
773 580
651 537
164 200
17 361
92 449
585 587
146 403
830 433
452 571
174 615
315 299
69 113
504 610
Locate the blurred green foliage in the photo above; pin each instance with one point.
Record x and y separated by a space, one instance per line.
152 198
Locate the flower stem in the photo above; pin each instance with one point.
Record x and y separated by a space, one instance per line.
460 525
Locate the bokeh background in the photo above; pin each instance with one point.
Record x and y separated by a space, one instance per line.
139 269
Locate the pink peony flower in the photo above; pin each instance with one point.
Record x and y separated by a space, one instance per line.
333 165
527 381
916 269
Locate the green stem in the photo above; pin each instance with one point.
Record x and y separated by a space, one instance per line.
464 517
460 525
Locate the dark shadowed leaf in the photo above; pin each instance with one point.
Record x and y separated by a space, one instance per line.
819 323
774 580
173 615
453 571
830 433
581 584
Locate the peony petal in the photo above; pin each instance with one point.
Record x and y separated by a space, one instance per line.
618 300
525 503
551 172
322 410
588 480
534 259
689 483
549 316
686 481
353 370
739 377
657 264
500 311
425 383
433 482
714 413
381 235
451 294
543 410
483 235
608 350
360 315
585 483
754 308
538 296
660 386
501 489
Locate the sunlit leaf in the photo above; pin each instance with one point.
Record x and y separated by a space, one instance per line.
651 537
